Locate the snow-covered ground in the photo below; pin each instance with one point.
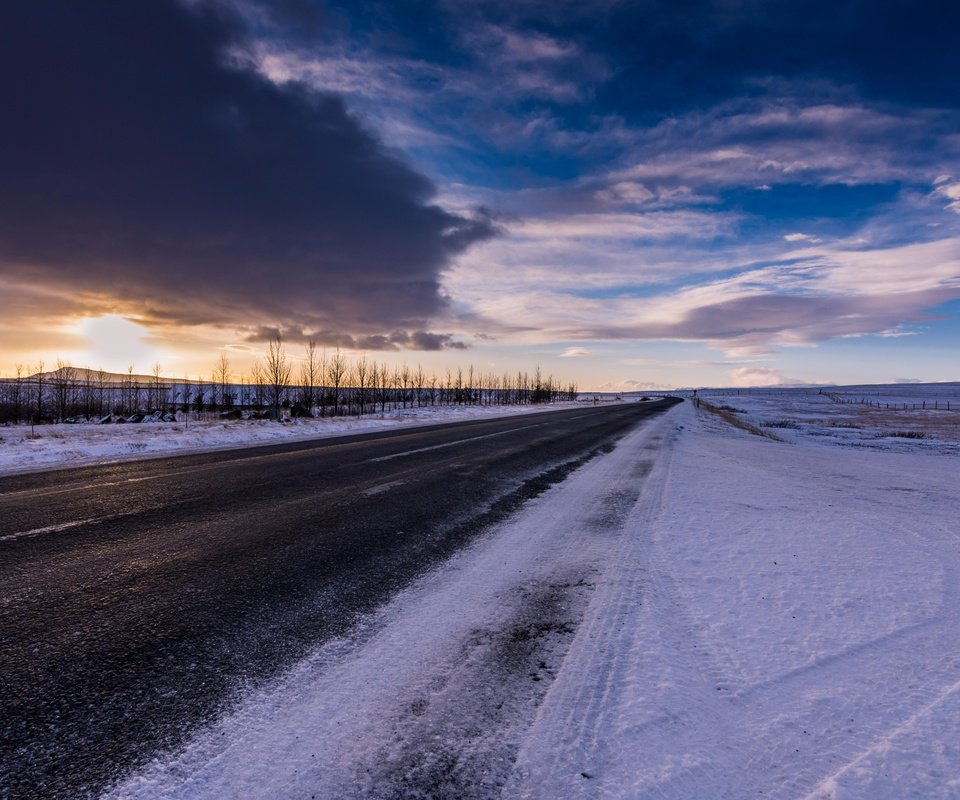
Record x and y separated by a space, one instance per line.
701 613
46 446
909 418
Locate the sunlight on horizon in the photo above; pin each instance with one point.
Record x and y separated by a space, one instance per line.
115 342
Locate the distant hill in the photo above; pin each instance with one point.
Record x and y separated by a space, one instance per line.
80 373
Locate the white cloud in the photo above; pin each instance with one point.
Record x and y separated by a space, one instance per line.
808 295
575 352
523 47
626 191
652 225
339 69
801 237
634 194
759 376
531 64
768 141
949 191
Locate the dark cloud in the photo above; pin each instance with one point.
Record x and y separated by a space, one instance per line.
424 340
398 340
139 165
808 318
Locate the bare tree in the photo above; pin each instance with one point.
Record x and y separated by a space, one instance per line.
39 398
396 386
418 383
200 398
259 382
136 388
374 384
362 371
185 397
405 384
382 380
336 372
126 391
154 395
86 388
101 391
221 379
17 393
278 370
63 381
310 376
537 386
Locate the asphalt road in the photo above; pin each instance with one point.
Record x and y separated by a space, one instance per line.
139 600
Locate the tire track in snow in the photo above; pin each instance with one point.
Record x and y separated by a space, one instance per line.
458 738
564 745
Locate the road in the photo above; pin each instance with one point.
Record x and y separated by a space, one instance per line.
141 599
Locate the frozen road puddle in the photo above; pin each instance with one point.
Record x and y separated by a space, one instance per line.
435 695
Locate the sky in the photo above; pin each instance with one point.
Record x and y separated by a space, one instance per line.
631 195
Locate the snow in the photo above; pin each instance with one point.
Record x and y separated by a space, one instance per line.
726 615
785 624
870 417
52 446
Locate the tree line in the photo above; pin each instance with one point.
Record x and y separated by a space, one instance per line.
278 386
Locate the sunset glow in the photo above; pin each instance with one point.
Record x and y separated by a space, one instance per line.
116 343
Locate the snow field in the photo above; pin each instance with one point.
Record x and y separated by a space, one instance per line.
786 623
836 415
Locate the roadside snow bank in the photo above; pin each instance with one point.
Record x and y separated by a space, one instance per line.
53 446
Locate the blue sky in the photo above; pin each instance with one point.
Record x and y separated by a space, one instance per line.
632 194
